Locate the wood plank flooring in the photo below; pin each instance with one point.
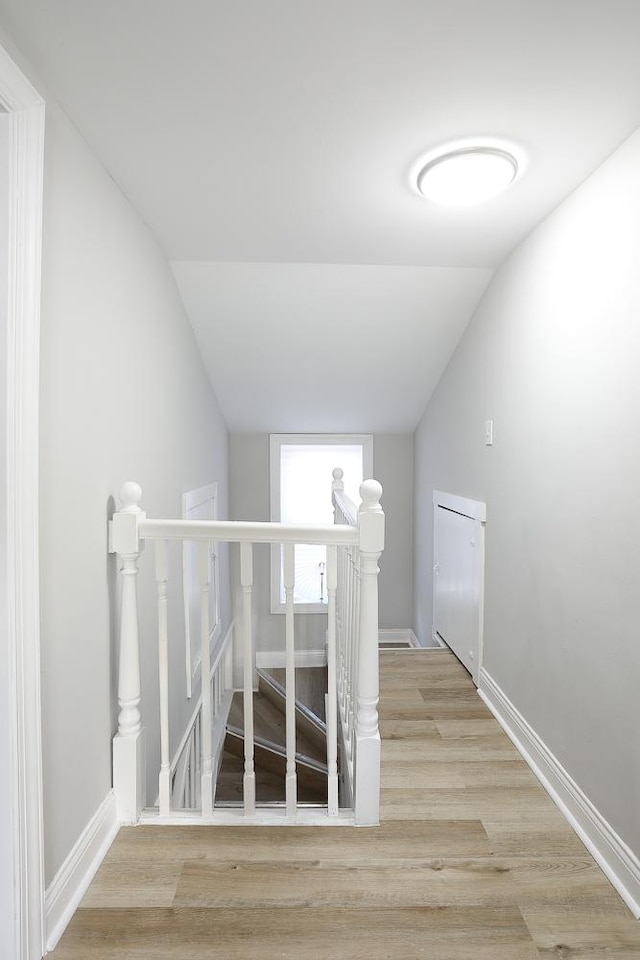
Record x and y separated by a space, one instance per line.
472 861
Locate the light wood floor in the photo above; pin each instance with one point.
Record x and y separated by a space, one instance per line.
472 861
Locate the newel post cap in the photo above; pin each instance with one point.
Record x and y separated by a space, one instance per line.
371 492
123 529
130 495
338 474
371 517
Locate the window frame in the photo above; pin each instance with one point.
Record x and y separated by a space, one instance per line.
276 441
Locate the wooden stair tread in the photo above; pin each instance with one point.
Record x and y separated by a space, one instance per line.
270 786
270 755
311 731
311 686
270 724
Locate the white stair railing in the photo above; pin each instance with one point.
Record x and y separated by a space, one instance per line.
357 666
354 544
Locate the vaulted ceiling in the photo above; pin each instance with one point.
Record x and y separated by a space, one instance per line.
270 147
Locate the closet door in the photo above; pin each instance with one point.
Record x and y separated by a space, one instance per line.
458 576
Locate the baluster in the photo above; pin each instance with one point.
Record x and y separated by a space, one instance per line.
290 682
162 575
228 665
347 639
196 779
188 791
194 773
344 612
332 703
337 485
355 652
352 679
246 580
128 744
339 623
367 760
204 578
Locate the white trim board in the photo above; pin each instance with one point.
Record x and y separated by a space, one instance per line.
398 635
267 816
277 659
19 441
612 855
74 876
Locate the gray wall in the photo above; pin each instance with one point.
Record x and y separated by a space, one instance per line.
553 356
124 396
249 500
393 467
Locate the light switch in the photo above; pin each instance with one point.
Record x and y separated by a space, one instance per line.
488 433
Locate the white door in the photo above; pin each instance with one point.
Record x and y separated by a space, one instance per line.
458 576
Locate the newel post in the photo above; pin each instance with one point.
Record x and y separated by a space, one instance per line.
367 753
337 486
128 744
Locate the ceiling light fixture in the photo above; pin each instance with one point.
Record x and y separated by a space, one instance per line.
469 175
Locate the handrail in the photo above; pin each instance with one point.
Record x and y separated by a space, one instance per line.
239 531
354 544
344 503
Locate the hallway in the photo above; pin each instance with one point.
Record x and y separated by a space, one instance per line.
472 861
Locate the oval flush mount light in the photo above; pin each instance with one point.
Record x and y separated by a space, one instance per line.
467 176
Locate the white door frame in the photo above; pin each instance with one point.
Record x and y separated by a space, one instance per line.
19 438
476 512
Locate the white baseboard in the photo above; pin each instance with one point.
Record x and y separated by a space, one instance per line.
69 885
617 861
276 659
398 635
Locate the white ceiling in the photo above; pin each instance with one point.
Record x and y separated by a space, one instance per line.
286 132
337 335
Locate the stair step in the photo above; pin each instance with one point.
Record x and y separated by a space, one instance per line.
311 686
270 768
269 785
269 723
311 731
271 756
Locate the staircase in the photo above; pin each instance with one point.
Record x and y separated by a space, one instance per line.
270 754
293 747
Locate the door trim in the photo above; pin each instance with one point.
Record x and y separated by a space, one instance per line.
476 511
26 164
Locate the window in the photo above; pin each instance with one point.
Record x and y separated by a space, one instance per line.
301 475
